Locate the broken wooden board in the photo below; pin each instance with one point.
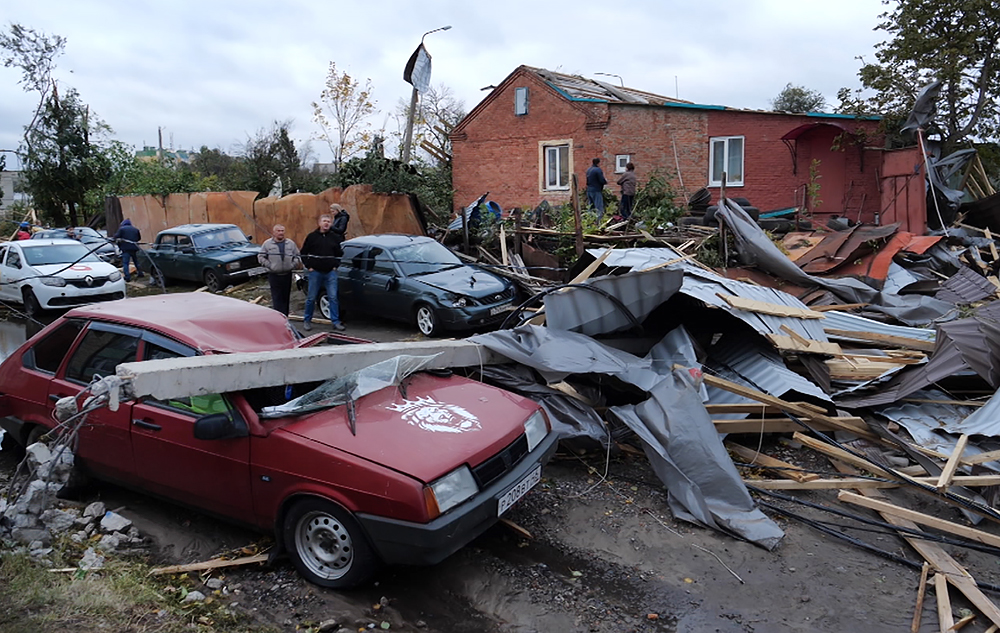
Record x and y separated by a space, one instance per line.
860 368
952 465
921 592
969 481
783 469
209 564
789 344
170 378
884 339
774 309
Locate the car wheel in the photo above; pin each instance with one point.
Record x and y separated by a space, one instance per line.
156 277
327 546
36 432
31 305
427 322
324 304
212 281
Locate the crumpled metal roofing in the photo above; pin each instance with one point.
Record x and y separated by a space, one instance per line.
966 286
983 421
836 320
705 286
577 87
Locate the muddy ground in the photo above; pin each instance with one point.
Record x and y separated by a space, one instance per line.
605 555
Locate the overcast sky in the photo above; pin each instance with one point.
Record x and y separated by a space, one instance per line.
215 72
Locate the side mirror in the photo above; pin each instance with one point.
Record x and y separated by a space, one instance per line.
391 284
218 426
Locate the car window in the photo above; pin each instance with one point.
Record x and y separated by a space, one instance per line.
14 258
219 237
47 354
424 257
382 261
195 405
166 240
352 253
43 254
184 240
99 353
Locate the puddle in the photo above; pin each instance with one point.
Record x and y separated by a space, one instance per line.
12 334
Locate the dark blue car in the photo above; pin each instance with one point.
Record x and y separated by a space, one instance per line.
416 279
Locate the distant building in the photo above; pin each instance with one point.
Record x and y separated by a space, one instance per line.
10 185
177 156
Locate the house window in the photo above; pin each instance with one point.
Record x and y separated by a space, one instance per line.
520 101
725 155
556 166
621 160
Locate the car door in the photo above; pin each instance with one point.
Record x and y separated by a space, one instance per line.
211 474
380 297
105 436
4 277
350 278
163 255
187 263
11 273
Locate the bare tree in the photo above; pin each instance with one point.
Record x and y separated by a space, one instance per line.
342 114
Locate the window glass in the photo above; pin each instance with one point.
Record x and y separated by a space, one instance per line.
99 354
47 354
383 261
557 167
734 168
43 254
520 101
198 406
726 156
621 162
425 257
14 259
352 253
166 240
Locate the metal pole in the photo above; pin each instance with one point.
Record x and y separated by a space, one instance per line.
408 137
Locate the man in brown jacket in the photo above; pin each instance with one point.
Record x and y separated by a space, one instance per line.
280 257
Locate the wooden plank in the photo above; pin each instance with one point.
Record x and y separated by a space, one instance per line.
775 309
209 564
921 592
884 339
993 246
946 621
952 465
503 247
764 425
963 403
801 340
859 368
922 519
838 307
981 458
589 270
791 407
839 453
961 623
788 344
783 468
820 484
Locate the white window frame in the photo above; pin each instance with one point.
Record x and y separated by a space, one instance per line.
521 101
547 149
621 162
714 179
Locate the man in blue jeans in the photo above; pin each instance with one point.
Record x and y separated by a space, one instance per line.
595 187
321 254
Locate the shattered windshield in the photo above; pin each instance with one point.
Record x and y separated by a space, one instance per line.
222 237
350 387
424 257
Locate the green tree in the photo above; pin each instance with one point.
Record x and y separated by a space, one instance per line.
437 113
798 99
954 41
61 164
267 156
342 114
34 54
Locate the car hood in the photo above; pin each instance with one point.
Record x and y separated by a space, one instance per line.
442 423
80 270
460 281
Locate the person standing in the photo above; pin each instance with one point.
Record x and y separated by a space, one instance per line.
628 182
280 257
321 254
128 237
595 187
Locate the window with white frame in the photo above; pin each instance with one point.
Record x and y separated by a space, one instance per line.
520 101
621 161
556 166
725 155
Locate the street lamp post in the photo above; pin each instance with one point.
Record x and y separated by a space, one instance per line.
408 137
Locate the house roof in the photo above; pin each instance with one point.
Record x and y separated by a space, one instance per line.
577 88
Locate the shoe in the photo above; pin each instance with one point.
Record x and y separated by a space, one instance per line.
307 326
127 280
139 276
339 327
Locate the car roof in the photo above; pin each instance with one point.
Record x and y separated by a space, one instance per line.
192 229
388 240
208 322
46 241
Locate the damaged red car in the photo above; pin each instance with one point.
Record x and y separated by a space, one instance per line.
406 474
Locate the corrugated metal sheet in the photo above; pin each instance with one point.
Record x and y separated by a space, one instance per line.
577 87
983 421
851 322
966 286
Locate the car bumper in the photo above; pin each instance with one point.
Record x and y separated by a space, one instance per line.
405 543
469 318
53 298
240 276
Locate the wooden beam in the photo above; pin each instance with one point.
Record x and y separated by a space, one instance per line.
884 339
843 306
775 309
946 621
981 458
783 469
952 465
920 518
969 481
921 592
503 247
209 564
788 344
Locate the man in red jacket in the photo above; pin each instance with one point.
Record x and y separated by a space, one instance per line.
321 255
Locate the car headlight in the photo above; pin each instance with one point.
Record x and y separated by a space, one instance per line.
57 282
451 490
459 302
233 266
535 429
115 276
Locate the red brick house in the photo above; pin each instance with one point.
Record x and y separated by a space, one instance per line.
522 142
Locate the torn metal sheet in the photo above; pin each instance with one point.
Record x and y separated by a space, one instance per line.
898 278
984 420
676 348
836 320
590 312
937 426
677 432
857 245
966 286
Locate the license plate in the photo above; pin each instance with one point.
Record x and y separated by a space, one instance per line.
260 270
498 309
520 489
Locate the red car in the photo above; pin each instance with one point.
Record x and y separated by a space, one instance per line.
431 466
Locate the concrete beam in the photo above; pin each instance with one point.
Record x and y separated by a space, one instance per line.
222 373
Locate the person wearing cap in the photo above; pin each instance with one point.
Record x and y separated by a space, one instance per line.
23 232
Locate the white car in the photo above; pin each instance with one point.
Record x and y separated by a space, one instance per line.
55 274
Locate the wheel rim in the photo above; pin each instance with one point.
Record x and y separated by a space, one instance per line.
324 545
31 305
324 306
212 281
425 320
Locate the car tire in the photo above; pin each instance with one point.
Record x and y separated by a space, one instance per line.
31 305
34 434
156 277
327 546
323 302
212 281
426 320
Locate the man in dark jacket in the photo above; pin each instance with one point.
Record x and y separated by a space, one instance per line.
321 255
595 187
128 237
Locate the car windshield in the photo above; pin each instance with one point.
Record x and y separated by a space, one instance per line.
424 257
57 254
220 237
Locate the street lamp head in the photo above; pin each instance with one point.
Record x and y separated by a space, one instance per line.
443 28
